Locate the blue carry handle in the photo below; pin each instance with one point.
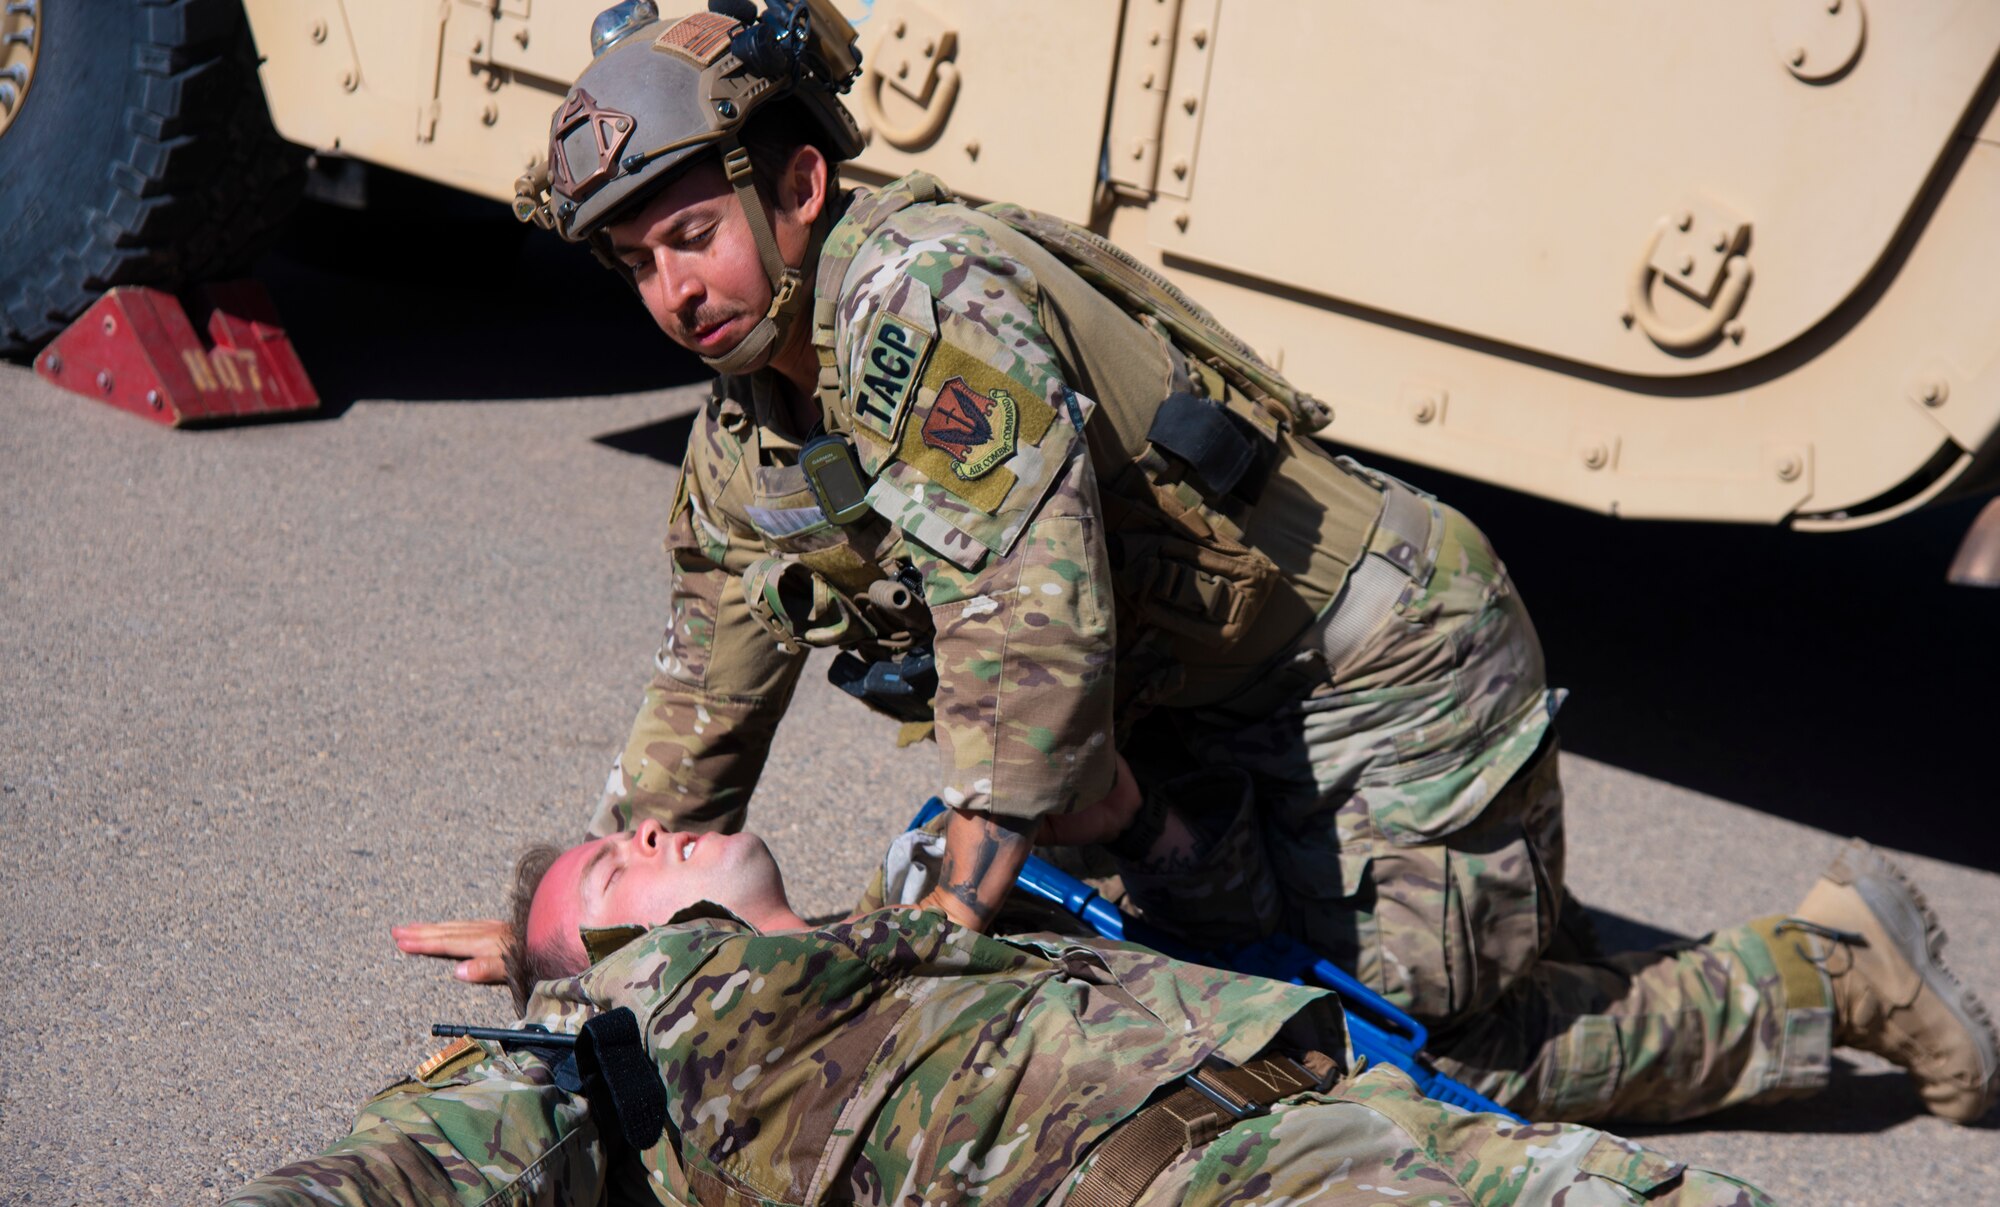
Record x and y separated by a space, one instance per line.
1378 1030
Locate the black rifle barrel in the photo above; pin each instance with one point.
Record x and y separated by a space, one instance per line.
536 1038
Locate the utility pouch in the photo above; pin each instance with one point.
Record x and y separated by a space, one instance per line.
901 687
621 1081
1191 589
1224 455
835 477
797 606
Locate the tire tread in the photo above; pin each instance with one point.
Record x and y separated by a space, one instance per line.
198 189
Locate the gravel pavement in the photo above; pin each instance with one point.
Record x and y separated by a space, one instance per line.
269 689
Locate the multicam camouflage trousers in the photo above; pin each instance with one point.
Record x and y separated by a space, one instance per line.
1403 816
1373 1140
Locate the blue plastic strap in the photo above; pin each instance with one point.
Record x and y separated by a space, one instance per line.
1379 1031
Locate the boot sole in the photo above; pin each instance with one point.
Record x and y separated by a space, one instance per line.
1900 909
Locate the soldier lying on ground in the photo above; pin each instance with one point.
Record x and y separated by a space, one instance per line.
1054 511
899 1057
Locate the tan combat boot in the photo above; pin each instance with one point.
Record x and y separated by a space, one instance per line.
1892 994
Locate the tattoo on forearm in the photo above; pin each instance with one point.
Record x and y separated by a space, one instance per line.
983 854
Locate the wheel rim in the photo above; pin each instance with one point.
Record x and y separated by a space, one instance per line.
20 45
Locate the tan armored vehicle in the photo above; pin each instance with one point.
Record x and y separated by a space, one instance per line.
1721 259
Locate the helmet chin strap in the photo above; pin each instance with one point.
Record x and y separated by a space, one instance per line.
790 293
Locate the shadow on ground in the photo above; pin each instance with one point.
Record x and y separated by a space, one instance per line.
1854 1103
1615 932
665 441
1833 679
451 300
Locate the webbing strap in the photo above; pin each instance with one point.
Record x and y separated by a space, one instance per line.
1398 554
757 346
1215 1097
824 336
736 165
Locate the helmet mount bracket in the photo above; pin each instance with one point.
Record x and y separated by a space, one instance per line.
610 130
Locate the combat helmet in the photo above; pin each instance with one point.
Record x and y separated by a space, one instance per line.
660 94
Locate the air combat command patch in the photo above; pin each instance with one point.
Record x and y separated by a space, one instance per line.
977 431
971 425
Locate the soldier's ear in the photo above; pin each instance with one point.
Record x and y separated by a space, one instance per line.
802 188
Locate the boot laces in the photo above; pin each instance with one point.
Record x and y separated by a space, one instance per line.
1840 938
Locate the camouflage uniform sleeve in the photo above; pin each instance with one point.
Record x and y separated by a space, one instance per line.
499 1131
720 686
1024 661
961 412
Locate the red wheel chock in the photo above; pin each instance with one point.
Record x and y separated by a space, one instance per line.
137 349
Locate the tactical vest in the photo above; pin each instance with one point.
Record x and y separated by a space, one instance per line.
816 584
1230 533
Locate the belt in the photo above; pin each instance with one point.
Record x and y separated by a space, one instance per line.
1211 1099
1400 555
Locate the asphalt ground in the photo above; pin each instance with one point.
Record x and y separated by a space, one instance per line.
269 689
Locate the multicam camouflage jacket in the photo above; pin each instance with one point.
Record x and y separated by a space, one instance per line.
1070 564
895 1058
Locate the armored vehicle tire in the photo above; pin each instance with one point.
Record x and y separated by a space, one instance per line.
139 151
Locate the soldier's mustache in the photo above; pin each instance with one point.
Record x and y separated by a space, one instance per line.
700 318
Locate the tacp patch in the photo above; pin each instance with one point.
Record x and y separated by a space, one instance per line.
977 431
886 375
